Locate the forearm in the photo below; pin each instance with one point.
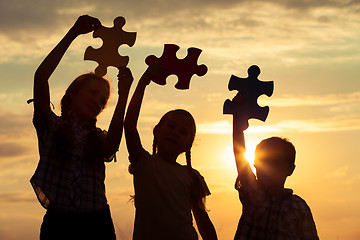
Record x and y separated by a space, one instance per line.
245 174
133 111
133 141
45 70
115 130
204 225
208 232
238 144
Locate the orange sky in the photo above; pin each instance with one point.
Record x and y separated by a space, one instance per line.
310 49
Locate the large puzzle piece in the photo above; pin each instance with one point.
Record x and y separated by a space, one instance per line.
183 68
250 89
108 54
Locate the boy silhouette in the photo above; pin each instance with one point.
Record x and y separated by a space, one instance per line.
270 211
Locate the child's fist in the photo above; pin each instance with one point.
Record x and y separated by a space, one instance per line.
85 24
239 99
125 79
154 71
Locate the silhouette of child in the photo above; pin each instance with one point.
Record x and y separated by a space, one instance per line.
165 191
69 179
270 211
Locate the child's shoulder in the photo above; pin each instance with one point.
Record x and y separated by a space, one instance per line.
299 204
197 173
192 171
201 184
47 122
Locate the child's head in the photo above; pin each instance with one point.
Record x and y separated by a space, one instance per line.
175 132
86 97
274 161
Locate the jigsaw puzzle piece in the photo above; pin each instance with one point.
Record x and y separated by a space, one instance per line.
184 68
108 53
189 68
167 59
250 89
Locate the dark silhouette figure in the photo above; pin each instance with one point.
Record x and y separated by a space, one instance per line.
269 210
69 179
165 191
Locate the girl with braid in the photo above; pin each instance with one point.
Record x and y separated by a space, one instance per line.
165 192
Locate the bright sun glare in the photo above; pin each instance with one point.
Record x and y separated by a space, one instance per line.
249 155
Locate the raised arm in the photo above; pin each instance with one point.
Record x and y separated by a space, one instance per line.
84 24
114 134
132 137
245 174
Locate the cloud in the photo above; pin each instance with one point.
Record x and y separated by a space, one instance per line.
313 100
340 172
28 31
8 150
225 127
343 104
17 134
17 197
51 15
32 17
221 127
335 124
14 124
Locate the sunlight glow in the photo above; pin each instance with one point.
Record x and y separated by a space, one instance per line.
249 155
229 157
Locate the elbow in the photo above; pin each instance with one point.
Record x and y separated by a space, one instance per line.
39 76
109 153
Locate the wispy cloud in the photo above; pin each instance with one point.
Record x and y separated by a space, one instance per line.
17 197
14 124
8 150
343 108
335 124
313 100
28 33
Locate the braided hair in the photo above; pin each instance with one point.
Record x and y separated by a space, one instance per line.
187 154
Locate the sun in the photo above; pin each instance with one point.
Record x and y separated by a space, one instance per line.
249 155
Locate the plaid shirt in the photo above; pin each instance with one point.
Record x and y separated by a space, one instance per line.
71 172
265 218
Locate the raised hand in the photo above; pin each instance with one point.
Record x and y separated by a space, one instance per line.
85 24
154 71
125 80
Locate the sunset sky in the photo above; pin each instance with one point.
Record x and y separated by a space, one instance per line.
310 49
